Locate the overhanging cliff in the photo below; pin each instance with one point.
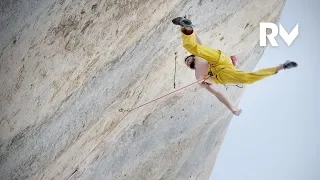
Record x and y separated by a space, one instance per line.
67 67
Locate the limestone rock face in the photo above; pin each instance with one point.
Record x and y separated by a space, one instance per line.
67 67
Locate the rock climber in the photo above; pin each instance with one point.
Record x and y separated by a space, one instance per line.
214 67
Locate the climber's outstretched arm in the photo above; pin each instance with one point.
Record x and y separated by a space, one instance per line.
213 88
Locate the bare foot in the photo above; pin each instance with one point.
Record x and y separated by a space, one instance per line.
236 111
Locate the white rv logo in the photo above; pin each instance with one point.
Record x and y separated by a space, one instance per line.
288 38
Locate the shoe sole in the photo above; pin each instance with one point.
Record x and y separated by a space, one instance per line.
177 20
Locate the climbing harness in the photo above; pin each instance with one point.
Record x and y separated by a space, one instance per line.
226 86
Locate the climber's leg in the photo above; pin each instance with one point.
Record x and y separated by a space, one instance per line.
191 45
234 76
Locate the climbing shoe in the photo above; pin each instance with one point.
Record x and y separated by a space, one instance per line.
183 22
289 64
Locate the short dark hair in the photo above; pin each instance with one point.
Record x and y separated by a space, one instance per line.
188 57
192 64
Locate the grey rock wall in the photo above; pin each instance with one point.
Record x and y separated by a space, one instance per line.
68 66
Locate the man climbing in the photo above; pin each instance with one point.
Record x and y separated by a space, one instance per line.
216 67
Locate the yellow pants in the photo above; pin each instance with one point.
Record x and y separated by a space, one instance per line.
221 68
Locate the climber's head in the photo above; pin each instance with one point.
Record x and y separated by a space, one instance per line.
190 60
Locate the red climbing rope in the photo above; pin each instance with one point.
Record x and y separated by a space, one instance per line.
122 110
128 111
